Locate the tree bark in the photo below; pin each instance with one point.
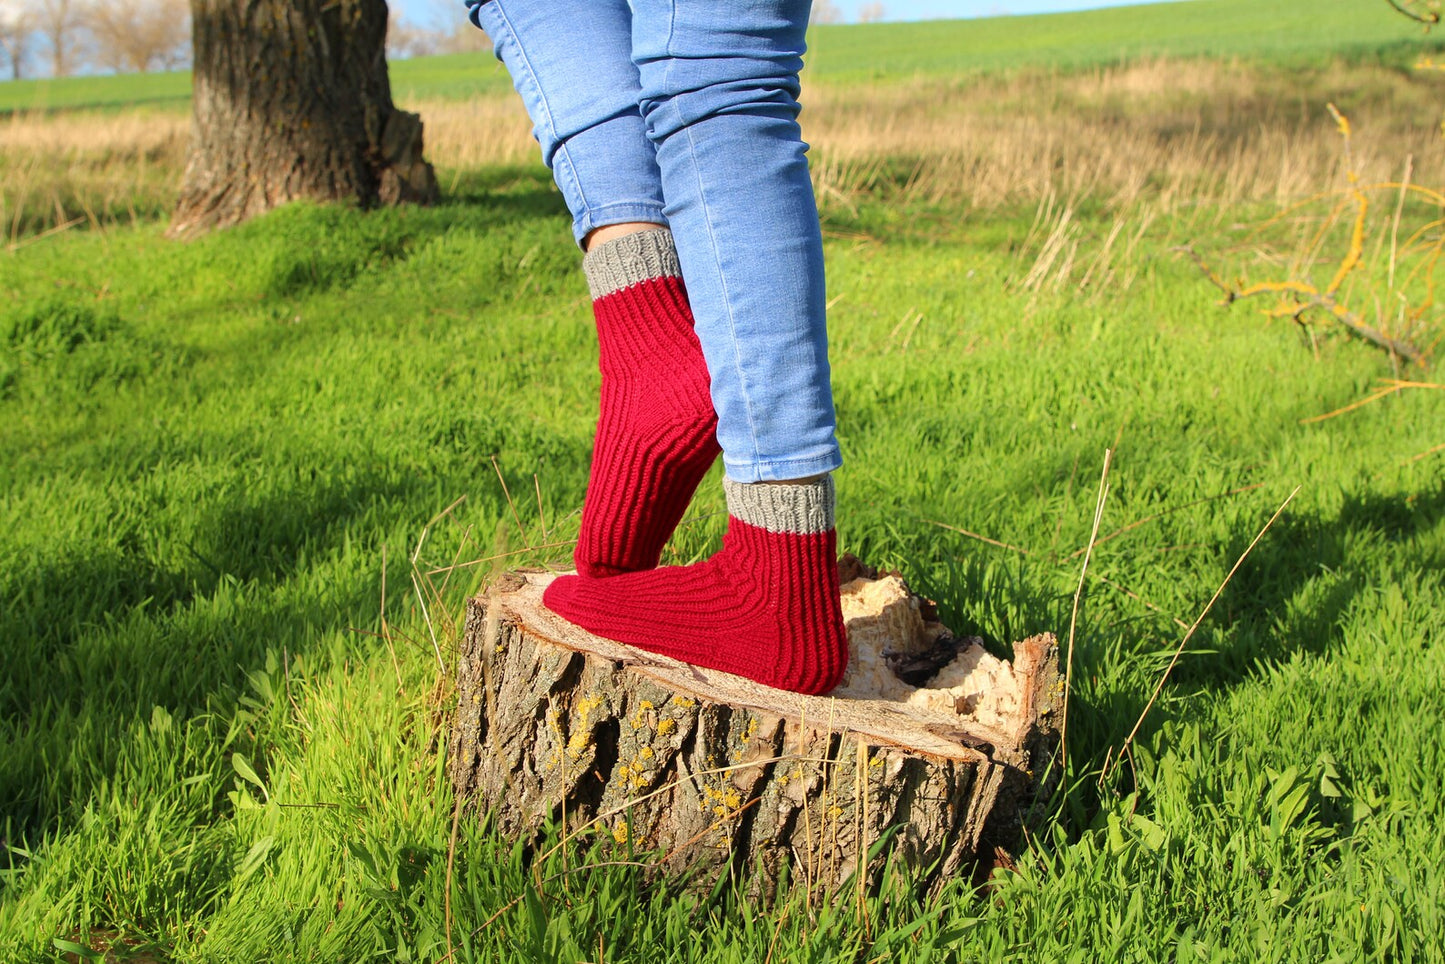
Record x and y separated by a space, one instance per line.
719 775
292 100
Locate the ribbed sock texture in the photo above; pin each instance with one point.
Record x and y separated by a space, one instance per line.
656 429
766 606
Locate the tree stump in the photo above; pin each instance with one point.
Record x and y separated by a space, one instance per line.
722 775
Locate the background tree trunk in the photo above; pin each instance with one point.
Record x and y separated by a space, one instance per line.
721 776
57 21
16 22
292 100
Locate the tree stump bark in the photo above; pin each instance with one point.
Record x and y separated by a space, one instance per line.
721 775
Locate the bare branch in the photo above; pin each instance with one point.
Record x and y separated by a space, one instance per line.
1429 14
140 35
872 12
58 21
825 11
1305 296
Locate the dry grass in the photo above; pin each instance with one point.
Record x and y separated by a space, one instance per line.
1177 134
1364 257
155 136
75 168
476 133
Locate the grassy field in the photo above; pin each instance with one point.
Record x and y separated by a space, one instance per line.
1216 98
1292 32
230 469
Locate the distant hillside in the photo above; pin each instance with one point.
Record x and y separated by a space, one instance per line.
1279 30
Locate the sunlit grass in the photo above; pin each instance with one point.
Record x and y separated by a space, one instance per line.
222 723
214 451
1169 137
1293 32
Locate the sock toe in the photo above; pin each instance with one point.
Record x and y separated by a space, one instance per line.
765 607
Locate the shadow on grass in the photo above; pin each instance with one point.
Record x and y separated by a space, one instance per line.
306 249
96 636
476 200
1295 592
174 608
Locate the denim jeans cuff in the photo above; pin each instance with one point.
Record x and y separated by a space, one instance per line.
781 470
590 219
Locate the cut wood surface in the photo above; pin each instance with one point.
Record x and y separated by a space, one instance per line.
719 774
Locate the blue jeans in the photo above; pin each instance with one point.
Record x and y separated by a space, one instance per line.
684 113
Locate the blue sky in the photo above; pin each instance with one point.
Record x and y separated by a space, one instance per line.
438 12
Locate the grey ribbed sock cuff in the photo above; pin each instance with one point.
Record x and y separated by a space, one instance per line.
629 260
806 509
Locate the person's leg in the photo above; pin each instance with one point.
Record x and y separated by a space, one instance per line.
719 96
719 86
570 62
656 431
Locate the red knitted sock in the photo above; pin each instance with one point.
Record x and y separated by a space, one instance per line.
656 430
765 607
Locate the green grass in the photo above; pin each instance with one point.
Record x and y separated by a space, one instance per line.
447 77
170 89
217 460
1289 31
453 76
211 452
